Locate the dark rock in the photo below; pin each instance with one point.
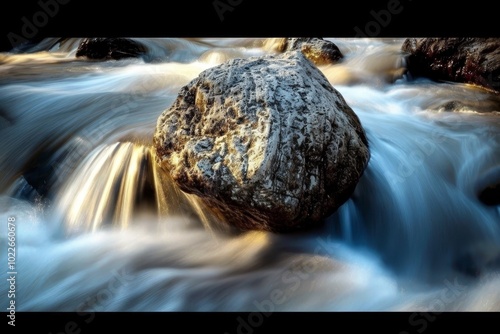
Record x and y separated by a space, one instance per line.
317 50
479 106
453 106
266 142
39 177
488 187
467 265
466 60
490 195
478 259
110 48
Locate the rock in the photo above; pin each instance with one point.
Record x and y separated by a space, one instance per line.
490 195
487 186
110 48
266 142
479 106
317 50
466 60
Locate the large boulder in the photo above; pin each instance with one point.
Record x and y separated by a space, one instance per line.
266 142
110 48
466 60
316 49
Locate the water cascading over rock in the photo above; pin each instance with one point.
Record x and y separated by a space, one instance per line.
266 142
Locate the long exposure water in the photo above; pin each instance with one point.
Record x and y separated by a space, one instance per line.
78 174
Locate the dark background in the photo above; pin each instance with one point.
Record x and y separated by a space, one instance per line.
249 18
276 323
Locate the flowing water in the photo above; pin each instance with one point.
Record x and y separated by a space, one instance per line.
99 227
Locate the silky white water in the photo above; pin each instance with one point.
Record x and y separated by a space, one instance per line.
99 227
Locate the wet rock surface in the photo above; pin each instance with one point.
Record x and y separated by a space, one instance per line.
110 48
467 60
266 142
317 50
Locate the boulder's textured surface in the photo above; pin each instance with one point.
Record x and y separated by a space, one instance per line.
467 60
267 142
317 50
110 48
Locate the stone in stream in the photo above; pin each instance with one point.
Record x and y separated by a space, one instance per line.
466 60
317 50
266 142
490 104
488 187
110 48
490 195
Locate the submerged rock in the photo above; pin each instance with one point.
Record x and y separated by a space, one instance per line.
489 105
467 60
266 142
488 187
317 50
110 48
490 195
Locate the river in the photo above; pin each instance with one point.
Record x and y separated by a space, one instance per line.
99 227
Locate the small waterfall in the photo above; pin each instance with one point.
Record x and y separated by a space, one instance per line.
119 183
110 184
